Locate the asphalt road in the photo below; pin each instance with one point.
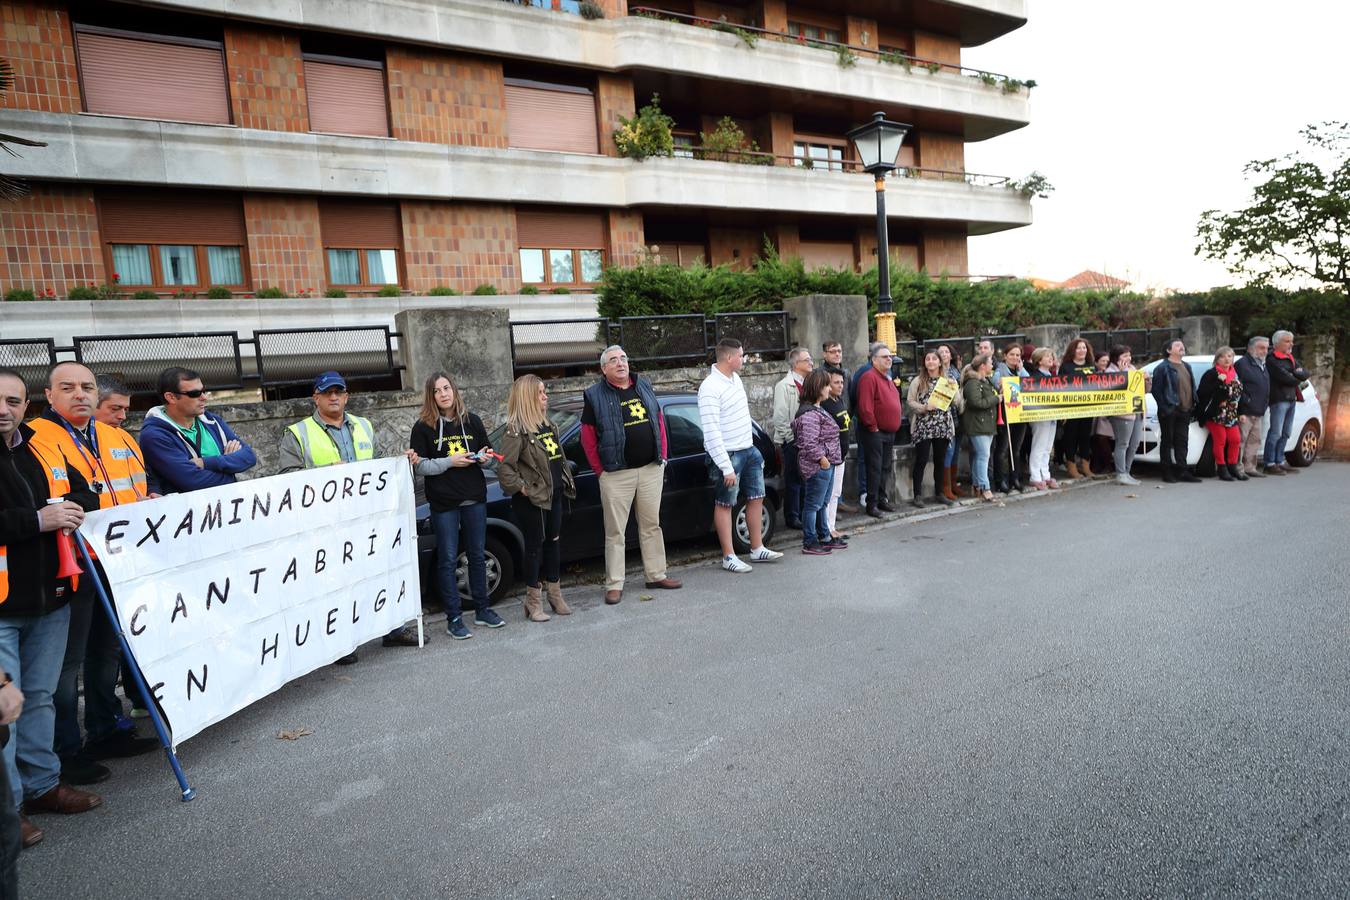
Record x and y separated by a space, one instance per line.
1115 692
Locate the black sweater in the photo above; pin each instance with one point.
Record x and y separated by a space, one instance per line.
454 486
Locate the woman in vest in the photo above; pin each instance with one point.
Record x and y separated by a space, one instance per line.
535 474
448 448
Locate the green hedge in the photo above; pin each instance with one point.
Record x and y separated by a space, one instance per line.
1264 310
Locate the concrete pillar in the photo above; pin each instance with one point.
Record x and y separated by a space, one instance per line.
1056 337
1203 334
830 317
1319 358
472 344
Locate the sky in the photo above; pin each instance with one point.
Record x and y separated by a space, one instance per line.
1144 115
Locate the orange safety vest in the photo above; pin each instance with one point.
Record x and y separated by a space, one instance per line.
58 483
119 468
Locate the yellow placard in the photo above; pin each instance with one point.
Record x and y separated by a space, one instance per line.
1073 396
944 390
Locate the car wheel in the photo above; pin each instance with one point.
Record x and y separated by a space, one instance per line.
740 529
1309 441
501 571
1205 468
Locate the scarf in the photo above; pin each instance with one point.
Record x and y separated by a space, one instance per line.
1281 355
1228 375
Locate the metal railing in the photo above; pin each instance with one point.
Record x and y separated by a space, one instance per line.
836 166
1146 344
137 359
285 358
31 358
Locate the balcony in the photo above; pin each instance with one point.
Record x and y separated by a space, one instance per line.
92 148
636 43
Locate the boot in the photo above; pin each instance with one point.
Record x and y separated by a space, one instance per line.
947 480
534 606
1086 469
1223 473
1072 468
957 490
1237 473
555 598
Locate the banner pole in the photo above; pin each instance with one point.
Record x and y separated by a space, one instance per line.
135 670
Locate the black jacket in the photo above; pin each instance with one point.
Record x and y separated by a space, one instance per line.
1285 377
1255 380
1210 394
447 488
31 554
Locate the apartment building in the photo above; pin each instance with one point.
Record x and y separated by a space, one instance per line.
454 143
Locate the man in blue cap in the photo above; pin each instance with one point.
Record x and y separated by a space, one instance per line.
328 437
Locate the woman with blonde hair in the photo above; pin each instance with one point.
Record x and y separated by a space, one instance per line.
534 474
1042 433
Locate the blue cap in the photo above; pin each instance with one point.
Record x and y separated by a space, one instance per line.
328 380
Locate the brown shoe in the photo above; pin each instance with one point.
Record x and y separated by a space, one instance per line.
534 606
666 584
30 832
957 490
555 598
1072 468
846 507
613 597
63 799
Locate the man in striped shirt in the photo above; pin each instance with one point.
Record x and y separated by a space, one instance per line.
728 436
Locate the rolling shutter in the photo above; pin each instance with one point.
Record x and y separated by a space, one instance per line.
546 119
561 230
360 225
834 254
152 79
346 99
186 218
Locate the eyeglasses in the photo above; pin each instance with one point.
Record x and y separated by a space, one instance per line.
334 391
199 392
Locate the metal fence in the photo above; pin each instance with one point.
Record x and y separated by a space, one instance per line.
294 357
31 358
138 359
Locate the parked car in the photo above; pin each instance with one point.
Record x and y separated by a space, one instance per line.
1304 437
686 503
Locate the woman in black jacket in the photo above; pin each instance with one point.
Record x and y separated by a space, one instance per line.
1216 407
1077 440
449 446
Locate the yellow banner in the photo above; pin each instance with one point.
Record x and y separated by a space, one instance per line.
1073 396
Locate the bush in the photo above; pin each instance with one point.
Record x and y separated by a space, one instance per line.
270 293
485 290
390 290
145 295
648 133
591 10
20 295
82 292
728 143
442 291
561 290
219 293
529 290
1264 310
335 293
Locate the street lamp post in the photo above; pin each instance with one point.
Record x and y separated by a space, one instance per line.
878 145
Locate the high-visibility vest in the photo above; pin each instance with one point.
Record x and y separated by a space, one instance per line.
119 468
318 447
58 485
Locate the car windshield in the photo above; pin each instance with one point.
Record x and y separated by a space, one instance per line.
564 418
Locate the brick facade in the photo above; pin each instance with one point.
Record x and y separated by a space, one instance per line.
442 98
285 247
51 240
459 246
267 79
616 100
626 238
37 41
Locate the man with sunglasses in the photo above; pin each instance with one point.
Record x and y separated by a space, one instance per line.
111 463
187 448
330 436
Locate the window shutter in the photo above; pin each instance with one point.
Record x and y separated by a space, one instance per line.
360 225
561 230
836 255
346 99
151 79
542 119
184 218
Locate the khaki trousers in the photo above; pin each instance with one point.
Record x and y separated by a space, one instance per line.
618 491
1249 428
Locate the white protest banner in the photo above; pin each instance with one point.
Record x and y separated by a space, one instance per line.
228 593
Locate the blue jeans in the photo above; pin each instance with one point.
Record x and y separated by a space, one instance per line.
31 651
748 465
816 495
469 523
1281 427
979 466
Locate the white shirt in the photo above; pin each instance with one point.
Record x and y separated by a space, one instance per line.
724 411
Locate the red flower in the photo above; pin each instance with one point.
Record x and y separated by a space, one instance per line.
116 278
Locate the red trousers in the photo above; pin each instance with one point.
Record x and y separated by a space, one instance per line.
1227 443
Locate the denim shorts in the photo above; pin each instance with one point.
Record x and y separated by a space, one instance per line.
748 465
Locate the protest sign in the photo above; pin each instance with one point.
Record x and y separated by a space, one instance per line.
1036 399
228 593
944 390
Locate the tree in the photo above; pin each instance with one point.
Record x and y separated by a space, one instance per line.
1298 226
10 188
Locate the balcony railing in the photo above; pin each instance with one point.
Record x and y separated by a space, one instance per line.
848 54
761 158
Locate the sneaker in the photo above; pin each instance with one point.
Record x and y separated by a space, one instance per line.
1052 484
815 550
1127 479
1274 470
119 745
456 629
81 770
404 637
138 712
835 545
764 554
1287 469
488 618
733 563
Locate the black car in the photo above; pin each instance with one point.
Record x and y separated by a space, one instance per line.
686 504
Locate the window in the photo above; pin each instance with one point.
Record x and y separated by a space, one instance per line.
811 34
682 255
565 266
177 265
361 241
185 240
152 76
685 142
560 248
817 153
548 116
346 96
684 430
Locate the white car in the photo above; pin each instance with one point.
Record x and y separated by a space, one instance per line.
1304 437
